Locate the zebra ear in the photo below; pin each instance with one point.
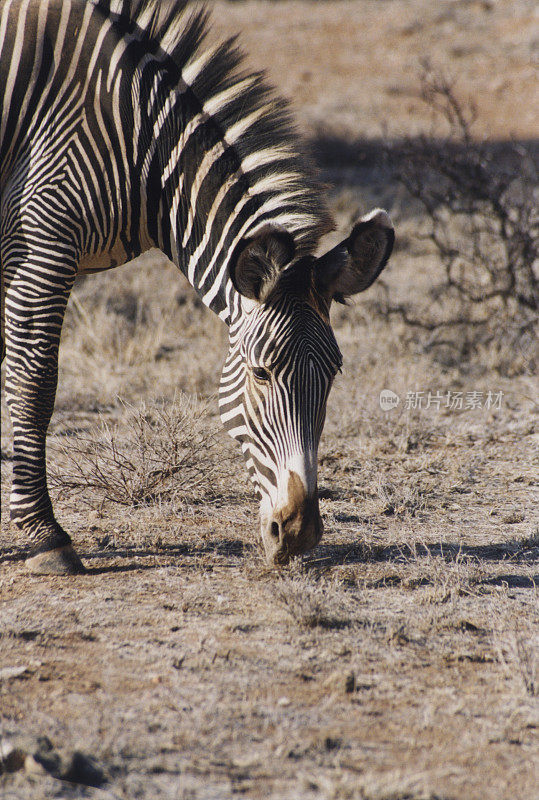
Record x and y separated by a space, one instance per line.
257 262
354 264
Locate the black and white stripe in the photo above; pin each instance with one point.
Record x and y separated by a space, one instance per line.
279 421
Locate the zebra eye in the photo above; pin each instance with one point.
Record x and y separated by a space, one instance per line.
261 374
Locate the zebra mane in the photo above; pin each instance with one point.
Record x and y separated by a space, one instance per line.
251 116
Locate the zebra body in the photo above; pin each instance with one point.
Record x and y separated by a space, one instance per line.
122 130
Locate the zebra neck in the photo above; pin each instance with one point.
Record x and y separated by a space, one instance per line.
205 205
218 160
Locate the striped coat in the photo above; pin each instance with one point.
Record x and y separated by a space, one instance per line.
121 130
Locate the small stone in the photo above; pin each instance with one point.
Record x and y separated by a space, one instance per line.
283 702
340 681
513 518
44 744
33 767
13 672
350 683
47 758
83 769
73 766
11 757
332 743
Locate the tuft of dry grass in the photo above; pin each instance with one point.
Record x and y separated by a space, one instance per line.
311 603
445 579
399 500
518 657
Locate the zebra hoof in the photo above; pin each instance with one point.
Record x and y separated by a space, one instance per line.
60 561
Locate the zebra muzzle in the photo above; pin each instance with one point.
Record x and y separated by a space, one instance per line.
293 528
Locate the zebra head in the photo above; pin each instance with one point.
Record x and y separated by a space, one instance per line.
282 360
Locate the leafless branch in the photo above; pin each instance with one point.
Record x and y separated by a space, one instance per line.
483 221
159 452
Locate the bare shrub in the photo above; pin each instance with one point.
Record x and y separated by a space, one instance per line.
480 204
156 452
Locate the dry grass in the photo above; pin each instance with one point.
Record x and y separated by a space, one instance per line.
312 603
518 654
126 333
399 659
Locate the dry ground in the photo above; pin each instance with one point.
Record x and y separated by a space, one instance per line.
399 660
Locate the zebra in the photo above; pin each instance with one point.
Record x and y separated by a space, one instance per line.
122 128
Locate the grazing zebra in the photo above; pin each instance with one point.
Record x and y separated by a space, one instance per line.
121 130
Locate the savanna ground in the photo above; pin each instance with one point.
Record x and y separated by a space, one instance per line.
399 659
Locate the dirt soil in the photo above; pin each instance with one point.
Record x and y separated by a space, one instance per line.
398 660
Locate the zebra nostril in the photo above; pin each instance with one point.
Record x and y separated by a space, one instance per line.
275 531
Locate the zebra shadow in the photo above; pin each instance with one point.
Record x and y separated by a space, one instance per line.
327 556
133 558
130 558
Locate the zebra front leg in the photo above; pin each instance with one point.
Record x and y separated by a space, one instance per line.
34 312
